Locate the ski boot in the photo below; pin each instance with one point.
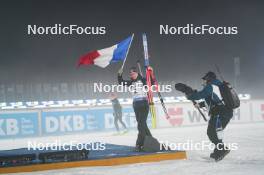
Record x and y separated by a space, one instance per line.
221 154
138 148
213 154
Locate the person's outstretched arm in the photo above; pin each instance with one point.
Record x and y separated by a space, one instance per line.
206 92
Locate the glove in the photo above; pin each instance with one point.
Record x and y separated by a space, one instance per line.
150 68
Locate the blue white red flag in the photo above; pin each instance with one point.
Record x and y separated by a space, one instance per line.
104 57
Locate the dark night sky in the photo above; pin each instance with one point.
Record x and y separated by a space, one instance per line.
50 58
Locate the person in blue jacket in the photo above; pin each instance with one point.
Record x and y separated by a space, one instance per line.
219 114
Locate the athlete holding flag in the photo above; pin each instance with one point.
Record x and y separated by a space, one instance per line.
141 89
140 103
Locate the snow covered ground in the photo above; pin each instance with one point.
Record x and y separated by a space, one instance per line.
248 159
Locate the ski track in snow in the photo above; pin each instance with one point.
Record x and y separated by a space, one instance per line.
248 159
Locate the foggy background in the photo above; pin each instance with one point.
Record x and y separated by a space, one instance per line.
43 67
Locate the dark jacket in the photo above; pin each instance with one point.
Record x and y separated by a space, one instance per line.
129 82
207 93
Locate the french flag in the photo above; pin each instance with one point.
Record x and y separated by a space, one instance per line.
104 57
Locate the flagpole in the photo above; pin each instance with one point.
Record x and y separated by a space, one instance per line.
127 52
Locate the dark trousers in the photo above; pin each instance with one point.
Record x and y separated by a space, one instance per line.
224 115
141 109
118 117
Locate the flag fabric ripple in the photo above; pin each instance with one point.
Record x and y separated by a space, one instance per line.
104 57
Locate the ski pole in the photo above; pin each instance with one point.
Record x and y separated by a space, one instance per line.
219 72
139 67
132 37
159 94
